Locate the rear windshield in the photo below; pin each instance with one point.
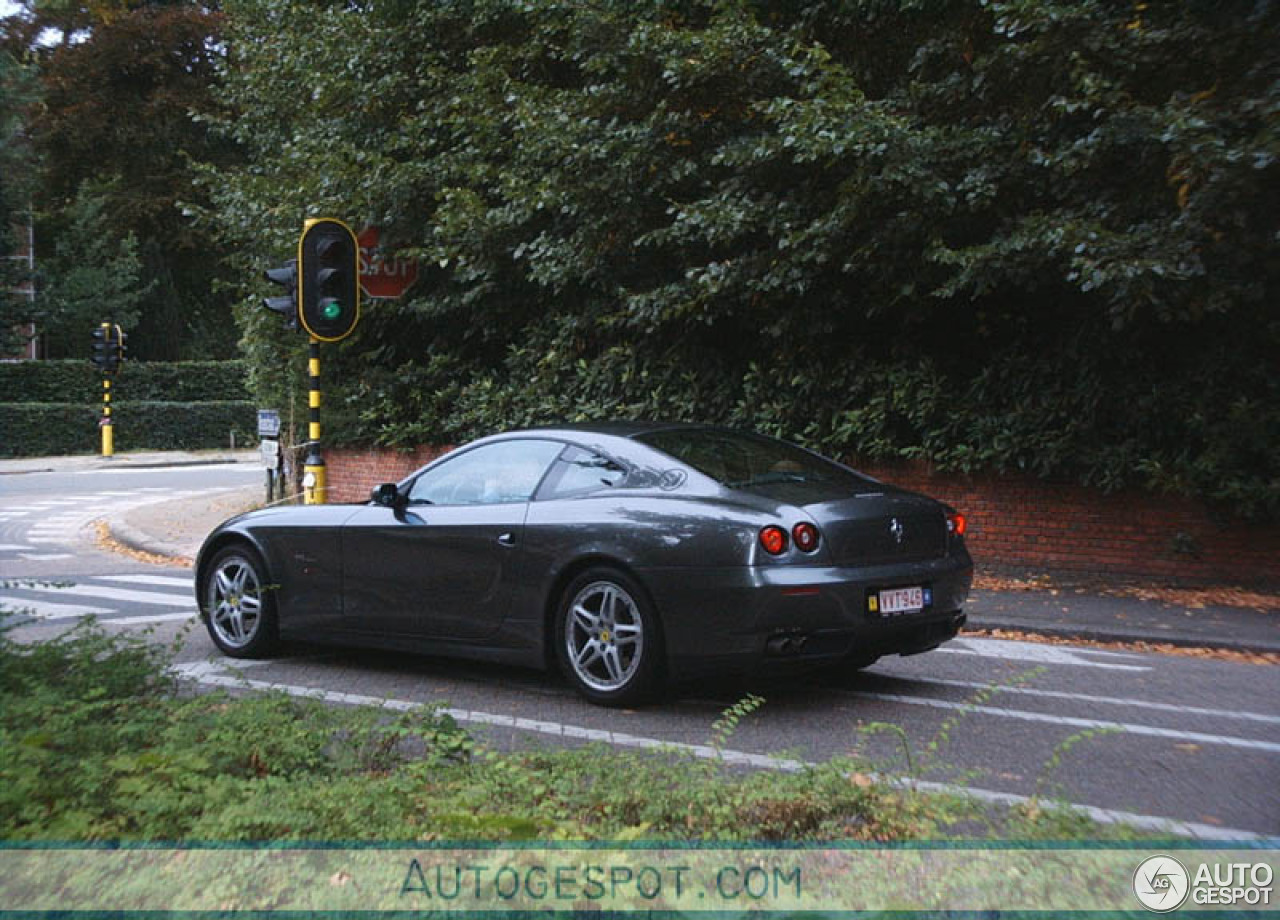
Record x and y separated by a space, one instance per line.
740 460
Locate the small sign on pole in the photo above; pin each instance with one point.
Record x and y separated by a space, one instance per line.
268 423
270 454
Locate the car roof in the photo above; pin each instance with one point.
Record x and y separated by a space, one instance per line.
620 429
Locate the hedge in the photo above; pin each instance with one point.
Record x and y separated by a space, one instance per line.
182 381
46 429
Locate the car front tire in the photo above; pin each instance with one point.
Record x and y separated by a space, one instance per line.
238 605
608 639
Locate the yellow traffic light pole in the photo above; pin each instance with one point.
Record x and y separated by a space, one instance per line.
315 487
108 441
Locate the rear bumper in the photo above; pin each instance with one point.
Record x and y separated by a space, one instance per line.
746 619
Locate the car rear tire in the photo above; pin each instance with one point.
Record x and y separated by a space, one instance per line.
608 639
239 608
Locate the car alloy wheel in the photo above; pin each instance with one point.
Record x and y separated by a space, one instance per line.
239 613
608 642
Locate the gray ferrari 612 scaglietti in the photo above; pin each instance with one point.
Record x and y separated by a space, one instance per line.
627 553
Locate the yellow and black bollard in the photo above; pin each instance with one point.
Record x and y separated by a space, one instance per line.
315 489
108 441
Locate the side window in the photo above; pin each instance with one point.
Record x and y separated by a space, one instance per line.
505 472
580 472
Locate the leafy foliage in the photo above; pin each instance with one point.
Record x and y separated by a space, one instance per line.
91 276
115 124
50 429
15 201
149 381
96 745
985 233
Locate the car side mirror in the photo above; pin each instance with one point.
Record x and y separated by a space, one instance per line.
388 496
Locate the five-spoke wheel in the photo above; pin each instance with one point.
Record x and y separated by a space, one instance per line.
238 611
607 637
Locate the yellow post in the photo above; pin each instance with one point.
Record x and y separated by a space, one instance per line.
108 442
315 487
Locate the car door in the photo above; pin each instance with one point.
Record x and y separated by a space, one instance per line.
445 565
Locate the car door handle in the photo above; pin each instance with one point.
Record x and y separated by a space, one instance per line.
507 539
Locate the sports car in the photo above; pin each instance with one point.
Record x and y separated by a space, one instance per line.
629 555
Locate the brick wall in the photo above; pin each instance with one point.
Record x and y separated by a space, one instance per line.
1026 523
354 473
1014 522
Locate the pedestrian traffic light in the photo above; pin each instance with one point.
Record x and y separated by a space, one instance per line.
328 279
286 304
108 347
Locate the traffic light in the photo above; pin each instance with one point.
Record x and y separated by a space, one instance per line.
108 347
329 279
286 304
102 347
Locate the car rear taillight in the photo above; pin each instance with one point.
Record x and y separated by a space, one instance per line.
806 537
774 540
956 524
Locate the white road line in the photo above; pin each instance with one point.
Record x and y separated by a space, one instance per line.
158 471
151 618
1073 722
46 610
1010 650
44 541
118 594
1109 700
7 515
10 547
212 673
169 580
46 557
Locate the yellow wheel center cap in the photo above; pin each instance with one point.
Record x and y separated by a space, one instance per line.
604 635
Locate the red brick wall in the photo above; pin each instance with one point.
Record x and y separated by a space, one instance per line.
1014 522
1021 522
353 474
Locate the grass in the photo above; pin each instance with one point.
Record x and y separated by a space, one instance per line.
99 741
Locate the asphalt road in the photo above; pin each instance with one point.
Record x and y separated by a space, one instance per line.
1188 740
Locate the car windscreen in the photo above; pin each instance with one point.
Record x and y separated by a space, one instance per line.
740 460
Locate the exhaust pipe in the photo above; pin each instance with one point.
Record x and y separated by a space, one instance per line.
785 645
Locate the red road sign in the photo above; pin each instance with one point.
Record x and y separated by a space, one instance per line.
381 277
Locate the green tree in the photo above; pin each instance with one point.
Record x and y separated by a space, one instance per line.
1011 234
16 168
122 95
92 277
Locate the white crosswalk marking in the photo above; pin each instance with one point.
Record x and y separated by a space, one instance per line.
100 592
150 618
46 557
47 609
11 547
176 581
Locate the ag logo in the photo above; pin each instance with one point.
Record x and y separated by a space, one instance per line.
1161 883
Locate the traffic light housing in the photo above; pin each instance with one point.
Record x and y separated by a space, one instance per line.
328 273
287 303
108 347
102 347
